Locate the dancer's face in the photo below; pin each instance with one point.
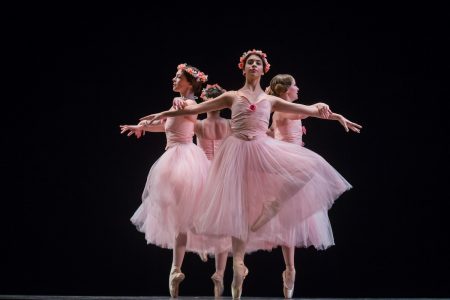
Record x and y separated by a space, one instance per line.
180 83
253 66
292 92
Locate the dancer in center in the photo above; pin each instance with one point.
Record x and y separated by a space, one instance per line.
253 177
210 133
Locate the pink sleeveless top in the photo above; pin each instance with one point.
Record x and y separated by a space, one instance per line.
179 130
210 145
249 120
290 131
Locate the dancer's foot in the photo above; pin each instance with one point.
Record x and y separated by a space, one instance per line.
288 282
203 256
175 278
218 284
239 273
270 209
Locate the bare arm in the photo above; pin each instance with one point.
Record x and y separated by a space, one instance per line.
154 127
291 116
347 124
223 101
319 110
143 126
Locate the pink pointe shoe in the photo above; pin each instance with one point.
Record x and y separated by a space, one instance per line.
218 285
270 209
203 256
240 271
175 278
288 283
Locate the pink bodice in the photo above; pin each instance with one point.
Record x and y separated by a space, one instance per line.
178 130
290 131
210 140
249 120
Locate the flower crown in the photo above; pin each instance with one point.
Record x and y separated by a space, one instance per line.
212 91
261 54
197 74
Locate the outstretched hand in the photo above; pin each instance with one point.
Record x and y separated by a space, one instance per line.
348 125
178 103
324 110
132 129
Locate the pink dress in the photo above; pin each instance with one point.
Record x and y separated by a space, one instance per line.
315 230
251 168
288 130
209 138
173 189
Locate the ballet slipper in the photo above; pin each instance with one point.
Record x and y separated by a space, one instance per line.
240 271
203 256
218 284
175 278
288 283
270 209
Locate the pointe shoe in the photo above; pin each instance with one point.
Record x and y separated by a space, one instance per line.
175 278
240 271
218 285
270 209
288 283
203 256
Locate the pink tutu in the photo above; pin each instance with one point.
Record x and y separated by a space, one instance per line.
172 192
249 169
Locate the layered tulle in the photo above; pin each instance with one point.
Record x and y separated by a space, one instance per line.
171 197
247 173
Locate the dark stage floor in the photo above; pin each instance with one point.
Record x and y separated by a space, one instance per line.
44 297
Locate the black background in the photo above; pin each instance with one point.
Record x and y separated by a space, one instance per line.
71 181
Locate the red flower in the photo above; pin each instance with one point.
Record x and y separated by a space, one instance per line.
252 107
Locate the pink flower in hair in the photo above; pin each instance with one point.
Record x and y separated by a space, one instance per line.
303 129
197 74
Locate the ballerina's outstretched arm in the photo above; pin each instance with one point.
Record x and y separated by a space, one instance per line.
347 124
318 110
223 101
143 126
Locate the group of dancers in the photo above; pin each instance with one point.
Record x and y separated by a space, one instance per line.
244 186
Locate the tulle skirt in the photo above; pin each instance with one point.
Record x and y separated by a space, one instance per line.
171 198
246 174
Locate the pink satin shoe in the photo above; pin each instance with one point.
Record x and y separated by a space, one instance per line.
218 285
270 209
240 271
175 278
203 256
288 283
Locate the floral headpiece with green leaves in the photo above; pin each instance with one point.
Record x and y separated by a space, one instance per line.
212 91
197 74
